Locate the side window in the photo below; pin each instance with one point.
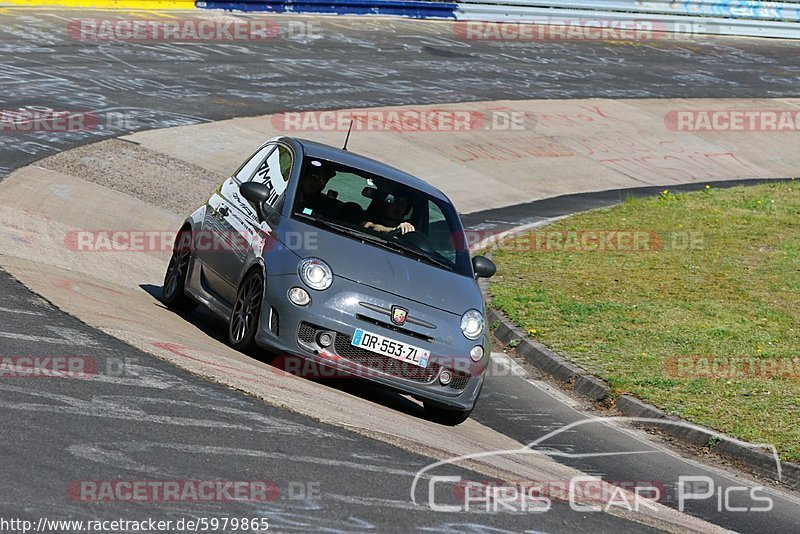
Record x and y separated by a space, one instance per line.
435 213
274 172
439 232
246 171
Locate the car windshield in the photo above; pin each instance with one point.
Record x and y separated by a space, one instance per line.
373 208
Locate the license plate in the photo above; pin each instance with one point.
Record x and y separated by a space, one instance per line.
391 348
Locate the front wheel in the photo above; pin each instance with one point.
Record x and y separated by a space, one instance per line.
246 313
446 416
174 289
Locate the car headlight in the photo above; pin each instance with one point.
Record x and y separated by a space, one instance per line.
472 324
315 273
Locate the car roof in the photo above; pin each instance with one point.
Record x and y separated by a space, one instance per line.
345 157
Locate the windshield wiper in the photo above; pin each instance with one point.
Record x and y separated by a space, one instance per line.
328 224
341 228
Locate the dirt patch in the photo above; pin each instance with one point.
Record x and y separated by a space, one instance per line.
160 180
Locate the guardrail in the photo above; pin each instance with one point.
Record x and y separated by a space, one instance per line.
403 8
737 9
718 17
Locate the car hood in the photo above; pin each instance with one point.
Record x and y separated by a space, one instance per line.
382 269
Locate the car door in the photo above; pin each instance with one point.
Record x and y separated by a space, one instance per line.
232 230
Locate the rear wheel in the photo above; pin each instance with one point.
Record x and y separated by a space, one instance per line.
446 416
174 288
246 313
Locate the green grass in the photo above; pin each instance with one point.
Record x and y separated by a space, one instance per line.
724 283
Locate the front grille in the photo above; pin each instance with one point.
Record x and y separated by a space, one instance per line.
273 320
459 381
410 319
395 328
306 332
382 363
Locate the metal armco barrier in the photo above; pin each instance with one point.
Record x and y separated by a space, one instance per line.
718 17
737 9
715 17
403 8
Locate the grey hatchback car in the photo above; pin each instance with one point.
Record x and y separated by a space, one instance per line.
335 259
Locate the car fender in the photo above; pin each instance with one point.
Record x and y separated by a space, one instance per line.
195 220
252 262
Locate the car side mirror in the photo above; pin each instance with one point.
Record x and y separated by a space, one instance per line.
258 194
483 267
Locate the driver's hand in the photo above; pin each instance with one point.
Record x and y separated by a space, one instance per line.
405 227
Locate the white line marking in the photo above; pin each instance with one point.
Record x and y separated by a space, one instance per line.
507 362
21 312
485 242
25 337
641 436
281 456
67 336
552 392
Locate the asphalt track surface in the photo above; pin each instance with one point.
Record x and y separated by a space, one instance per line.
141 419
158 422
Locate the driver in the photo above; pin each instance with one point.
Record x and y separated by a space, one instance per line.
390 216
311 198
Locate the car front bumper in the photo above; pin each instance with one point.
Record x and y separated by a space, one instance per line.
292 331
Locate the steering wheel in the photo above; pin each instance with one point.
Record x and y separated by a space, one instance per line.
417 239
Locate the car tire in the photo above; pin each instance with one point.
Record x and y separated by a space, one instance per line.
446 416
173 292
246 313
